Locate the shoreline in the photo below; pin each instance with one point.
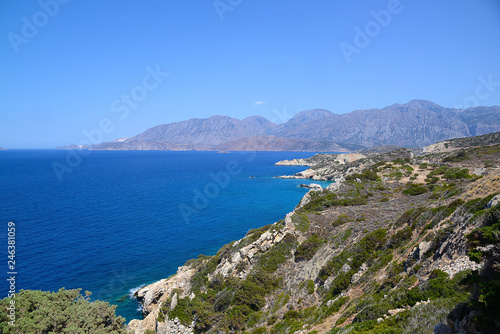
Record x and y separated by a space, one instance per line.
149 293
133 294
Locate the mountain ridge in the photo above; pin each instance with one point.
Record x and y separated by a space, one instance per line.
414 124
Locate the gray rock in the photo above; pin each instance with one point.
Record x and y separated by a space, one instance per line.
442 329
494 201
173 327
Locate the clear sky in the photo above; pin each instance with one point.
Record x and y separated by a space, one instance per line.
66 66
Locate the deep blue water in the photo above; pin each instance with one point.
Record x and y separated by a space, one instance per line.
115 221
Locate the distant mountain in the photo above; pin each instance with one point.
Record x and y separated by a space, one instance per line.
209 131
415 124
2 149
261 123
308 116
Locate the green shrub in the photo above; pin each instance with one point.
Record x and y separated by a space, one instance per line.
367 174
64 311
308 248
254 288
457 157
410 217
456 173
301 222
401 161
415 190
396 175
292 314
326 311
478 204
223 300
255 234
259 330
438 171
437 273
432 180
423 165
287 326
400 237
341 220
310 286
272 320
353 201
278 254
435 195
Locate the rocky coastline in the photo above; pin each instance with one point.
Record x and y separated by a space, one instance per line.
425 231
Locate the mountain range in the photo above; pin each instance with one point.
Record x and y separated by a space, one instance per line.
414 124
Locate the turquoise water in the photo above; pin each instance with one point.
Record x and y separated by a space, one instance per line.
119 220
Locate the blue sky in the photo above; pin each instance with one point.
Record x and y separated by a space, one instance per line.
66 68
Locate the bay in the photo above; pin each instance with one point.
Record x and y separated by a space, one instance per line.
121 219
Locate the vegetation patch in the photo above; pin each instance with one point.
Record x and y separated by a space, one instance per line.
278 254
457 157
457 173
64 311
301 222
414 190
368 174
308 248
363 251
341 220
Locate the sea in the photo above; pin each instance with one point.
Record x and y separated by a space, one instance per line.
110 222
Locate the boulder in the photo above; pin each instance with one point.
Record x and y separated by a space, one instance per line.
442 329
494 201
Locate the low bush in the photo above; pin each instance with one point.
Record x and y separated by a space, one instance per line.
367 174
253 290
64 311
278 254
457 157
301 222
308 248
457 173
423 165
341 220
414 190
400 237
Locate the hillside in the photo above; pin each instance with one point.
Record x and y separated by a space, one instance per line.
400 243
414 124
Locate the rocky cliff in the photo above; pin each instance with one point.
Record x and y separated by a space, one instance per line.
399 244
